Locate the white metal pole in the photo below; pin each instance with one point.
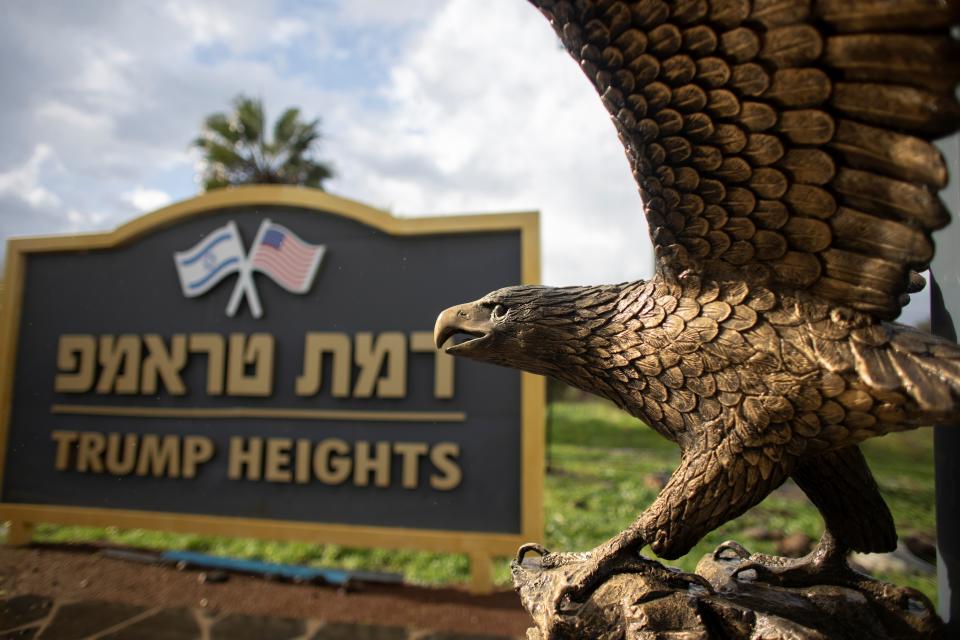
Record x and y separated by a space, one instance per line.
245 284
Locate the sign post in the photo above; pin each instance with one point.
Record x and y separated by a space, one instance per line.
138 390
945 321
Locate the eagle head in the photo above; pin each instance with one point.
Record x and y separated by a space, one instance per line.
543 330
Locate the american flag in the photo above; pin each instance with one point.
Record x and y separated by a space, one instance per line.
285 258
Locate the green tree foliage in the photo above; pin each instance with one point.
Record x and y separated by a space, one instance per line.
236 149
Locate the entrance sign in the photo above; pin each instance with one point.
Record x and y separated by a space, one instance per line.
319 410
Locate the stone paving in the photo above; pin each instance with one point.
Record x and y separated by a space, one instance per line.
38 618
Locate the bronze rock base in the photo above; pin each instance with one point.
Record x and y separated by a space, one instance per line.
647 601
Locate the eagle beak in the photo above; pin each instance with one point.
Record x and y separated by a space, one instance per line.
470 318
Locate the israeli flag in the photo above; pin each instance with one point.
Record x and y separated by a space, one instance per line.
211 260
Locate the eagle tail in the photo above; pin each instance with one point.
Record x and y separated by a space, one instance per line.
912 376
923 365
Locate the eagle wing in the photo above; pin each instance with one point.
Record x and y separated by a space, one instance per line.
783 142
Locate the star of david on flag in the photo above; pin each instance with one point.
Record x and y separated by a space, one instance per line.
277 252
215 257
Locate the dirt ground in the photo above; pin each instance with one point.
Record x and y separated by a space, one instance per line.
82 574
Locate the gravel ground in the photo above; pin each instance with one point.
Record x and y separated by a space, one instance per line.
81 574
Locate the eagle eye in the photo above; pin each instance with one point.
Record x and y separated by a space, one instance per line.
499 311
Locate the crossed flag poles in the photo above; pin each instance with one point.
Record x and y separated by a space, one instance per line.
276 252
244 284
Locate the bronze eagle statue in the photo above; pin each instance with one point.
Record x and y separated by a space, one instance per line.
782 150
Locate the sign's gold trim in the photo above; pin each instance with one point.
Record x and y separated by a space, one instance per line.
266 195
259 412
533 387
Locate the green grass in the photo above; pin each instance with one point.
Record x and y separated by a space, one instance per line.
600 459
603 471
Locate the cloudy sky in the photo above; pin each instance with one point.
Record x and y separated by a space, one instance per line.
427 107
425 110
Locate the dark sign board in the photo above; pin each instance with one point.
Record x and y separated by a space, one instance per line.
259 361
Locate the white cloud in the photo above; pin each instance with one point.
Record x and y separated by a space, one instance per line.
144 199
472 125
366 12
85 220
286 29
63 118
240 25
23 182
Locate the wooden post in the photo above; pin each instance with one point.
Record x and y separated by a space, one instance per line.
945 321
481 573
19 534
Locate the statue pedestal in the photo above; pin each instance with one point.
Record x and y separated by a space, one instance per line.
653 602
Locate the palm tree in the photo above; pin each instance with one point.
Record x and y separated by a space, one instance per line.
236 149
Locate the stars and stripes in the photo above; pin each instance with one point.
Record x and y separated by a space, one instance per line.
285 258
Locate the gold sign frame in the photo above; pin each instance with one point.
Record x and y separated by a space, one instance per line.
479 546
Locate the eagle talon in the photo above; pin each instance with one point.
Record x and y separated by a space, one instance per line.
730 550
800 572
698 580
591 569
526 548
763 573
